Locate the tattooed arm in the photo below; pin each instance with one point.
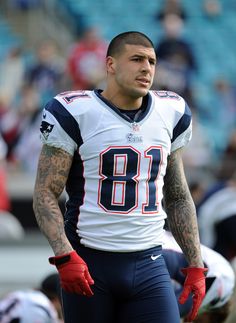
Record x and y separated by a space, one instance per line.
181 210
53 169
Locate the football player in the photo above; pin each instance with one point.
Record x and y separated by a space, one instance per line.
220 281
41 305
117 152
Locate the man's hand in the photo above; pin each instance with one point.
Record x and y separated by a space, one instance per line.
195 284
74 274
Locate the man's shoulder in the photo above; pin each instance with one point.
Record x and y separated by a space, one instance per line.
74 102
164 94
69 97
169 101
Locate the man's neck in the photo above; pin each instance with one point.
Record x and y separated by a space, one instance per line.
122 102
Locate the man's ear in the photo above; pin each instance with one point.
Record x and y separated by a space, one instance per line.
110 64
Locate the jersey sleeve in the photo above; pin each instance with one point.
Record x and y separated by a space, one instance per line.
59 128
182 131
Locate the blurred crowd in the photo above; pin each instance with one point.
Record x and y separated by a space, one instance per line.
27 82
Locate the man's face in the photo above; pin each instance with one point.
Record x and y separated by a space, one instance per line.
134 70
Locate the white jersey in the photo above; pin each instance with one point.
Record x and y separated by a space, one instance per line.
218 207
219 268
115 183
29 306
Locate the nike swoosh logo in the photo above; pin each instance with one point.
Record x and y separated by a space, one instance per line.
155 257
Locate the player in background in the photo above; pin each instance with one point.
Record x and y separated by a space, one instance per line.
41 305
217 218
220 281
117 152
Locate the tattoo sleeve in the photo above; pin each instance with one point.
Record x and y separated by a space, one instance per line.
180 209
53 169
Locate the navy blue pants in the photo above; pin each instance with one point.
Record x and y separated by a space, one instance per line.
132 287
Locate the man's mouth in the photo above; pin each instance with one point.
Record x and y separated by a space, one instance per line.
143 81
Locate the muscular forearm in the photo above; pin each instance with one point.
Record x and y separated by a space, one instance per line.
181 210
183 225
54 166
50 221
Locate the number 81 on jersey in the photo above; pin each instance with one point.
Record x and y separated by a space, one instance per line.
120 172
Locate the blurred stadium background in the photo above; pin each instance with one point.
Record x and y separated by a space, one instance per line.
209 27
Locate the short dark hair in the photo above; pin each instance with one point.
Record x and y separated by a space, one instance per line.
129 37
50 286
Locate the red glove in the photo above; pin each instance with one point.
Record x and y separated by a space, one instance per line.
195 284
73 272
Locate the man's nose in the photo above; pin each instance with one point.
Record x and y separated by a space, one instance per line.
146 66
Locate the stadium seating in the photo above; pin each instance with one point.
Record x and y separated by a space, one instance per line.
209 36
7 37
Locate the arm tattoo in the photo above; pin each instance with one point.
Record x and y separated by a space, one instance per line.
53 169
181 210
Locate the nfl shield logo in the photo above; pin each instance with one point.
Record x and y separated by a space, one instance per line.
135 127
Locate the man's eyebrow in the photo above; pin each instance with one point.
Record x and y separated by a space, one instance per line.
143 56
